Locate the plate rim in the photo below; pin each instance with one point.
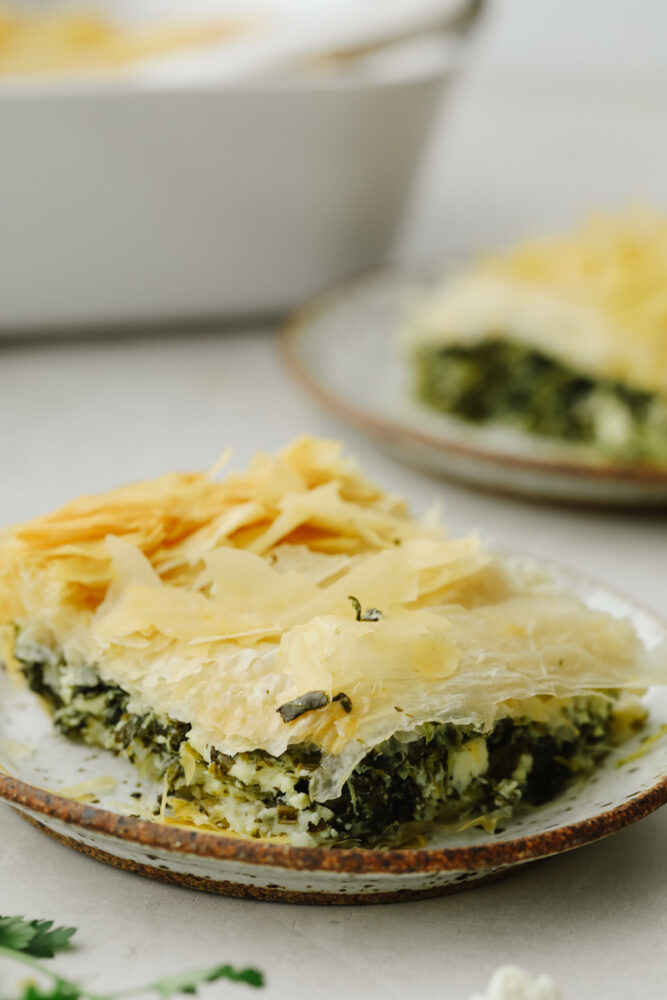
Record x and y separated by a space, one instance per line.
361 861
295 326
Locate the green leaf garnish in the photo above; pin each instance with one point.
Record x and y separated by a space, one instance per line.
15 933
56 991
49 940
369 615
34 937
27 941
188 982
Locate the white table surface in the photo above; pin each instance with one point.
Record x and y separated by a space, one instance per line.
83 415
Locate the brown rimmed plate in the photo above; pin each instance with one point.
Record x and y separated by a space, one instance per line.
38 769
345 349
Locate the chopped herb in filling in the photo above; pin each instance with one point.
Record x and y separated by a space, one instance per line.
440 772
497 380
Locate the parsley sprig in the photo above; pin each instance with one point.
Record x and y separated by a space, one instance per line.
34 937
31 941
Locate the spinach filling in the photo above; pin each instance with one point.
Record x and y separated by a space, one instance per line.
497 380
97 714
443 772
518 761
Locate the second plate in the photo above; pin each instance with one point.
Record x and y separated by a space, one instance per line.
344 349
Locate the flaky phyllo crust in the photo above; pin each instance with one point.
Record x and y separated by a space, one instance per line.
216 602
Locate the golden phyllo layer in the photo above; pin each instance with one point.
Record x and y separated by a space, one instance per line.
297 605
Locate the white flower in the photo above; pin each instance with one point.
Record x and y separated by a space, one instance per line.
512 983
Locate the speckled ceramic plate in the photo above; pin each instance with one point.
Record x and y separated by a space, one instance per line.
85 798
344 349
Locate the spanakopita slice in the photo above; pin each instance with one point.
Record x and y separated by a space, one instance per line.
292 654
563 338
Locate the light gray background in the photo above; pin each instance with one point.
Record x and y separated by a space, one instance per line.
564 109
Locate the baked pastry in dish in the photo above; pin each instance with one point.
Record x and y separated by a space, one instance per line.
292 654
565 338
47 41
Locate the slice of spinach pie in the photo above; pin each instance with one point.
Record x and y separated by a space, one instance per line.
293 655
562 338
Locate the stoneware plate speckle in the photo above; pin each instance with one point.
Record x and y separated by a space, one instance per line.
86 799
345 349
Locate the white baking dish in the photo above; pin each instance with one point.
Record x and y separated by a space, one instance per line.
132 202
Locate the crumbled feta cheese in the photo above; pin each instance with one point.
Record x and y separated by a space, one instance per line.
614 421
512 983
244 770
468 763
